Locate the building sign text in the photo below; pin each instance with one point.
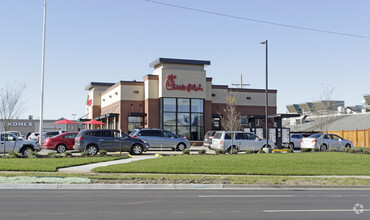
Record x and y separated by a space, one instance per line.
171 85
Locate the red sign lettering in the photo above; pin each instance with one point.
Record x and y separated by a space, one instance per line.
171 85
89 101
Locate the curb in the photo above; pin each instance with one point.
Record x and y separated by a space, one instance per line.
174 187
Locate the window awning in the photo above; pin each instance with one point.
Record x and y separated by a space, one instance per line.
107 116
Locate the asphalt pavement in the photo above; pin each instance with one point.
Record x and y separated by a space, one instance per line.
184 204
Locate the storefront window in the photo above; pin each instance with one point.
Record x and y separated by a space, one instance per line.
197 105
135 122
169 105
169 118
185 117
183 105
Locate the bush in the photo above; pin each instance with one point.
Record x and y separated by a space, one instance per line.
277 152
359 149
351 150
249 151
219 151
202 151
85 153
333 149
290 151
305 150
345 149
366 151
261 152
68 154
13 154
186 151
315 150
103 152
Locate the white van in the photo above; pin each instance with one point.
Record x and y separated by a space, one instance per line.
238 140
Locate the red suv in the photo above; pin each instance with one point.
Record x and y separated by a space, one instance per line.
61 142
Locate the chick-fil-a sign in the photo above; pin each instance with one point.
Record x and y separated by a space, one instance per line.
171 85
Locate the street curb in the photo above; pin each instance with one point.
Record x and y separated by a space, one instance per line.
173 187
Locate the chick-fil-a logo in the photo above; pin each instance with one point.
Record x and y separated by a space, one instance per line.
171 85
89 101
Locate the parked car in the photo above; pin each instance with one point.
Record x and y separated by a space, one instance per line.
12 142
61 142
160 138
295 141
109 140
208 138
239 141
34 136
325 142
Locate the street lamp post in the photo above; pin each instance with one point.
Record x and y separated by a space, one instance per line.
267 99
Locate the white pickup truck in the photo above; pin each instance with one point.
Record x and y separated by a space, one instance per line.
13 143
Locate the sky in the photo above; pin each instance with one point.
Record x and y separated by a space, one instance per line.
112 40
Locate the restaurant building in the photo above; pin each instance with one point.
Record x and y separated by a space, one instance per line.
177 96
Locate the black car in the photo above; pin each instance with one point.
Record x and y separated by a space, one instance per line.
110 140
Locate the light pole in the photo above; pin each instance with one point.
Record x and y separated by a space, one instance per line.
267 99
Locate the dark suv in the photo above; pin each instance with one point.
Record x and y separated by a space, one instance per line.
109 140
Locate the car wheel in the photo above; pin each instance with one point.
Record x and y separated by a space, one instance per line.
61 148
348 146
92 149
137 149
233 148
26 152
291 146
181 147
323 147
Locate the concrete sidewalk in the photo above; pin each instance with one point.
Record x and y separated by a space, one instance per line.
88 167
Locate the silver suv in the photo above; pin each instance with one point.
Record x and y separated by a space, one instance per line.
13 143
160 138
238 140
110 140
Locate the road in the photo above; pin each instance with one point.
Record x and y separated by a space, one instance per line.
184 204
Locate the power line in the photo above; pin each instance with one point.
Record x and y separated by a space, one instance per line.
259 21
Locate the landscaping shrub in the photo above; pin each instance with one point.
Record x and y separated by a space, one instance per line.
68 154
290 151
249 152
103 152
333 149
261 152
277 152
85 153
351 150
186 151
202 151
219 151
315 150
345 149
305 150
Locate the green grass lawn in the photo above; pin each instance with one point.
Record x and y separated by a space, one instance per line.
47 164
318 163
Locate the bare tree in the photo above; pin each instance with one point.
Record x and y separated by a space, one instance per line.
323 111
231 118
10 105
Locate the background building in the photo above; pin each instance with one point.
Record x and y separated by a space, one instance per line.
178 96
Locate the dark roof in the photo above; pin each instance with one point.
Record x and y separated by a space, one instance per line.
90 85
179 61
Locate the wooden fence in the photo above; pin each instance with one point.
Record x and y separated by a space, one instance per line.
359 138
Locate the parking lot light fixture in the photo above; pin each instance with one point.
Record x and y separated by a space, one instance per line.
266 105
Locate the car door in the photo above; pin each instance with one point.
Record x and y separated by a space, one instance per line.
69 140
169 140
118 142
254 142
336 142
241 141
153 137
9 141
326 139
105 140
